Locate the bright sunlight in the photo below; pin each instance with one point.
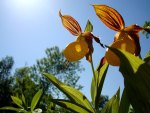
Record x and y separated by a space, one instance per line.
24 5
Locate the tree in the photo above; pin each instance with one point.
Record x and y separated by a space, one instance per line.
102 102
146 27
6 65
24 84
55 63
29 79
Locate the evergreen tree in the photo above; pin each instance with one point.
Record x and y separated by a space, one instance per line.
6 65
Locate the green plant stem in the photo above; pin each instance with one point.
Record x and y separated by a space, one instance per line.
94 76
93 70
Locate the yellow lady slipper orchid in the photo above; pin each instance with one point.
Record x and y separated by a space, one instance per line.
83 46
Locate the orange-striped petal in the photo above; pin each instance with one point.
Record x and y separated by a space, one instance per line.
110 17
133 31
76 50
70 24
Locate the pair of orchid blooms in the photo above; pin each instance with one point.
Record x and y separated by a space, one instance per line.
126 38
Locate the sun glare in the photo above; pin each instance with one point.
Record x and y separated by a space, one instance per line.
25 4
24 7
29 6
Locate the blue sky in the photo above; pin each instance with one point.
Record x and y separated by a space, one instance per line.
28 27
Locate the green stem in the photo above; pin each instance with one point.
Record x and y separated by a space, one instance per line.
93 70
95 81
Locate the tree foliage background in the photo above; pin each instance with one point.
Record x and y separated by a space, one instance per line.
6 81
27 80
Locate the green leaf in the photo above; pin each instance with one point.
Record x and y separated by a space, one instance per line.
73 94
17 101
96 87
124 103
13 109
36 99
89 27
23 99
74 107
136 75
93 90
112 105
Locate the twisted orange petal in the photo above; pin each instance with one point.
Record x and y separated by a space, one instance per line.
76 50
102 62
70 24
133 28
133 31
88 38
110 17
135 37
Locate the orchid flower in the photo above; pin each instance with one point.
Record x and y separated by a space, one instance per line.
126 38
83 45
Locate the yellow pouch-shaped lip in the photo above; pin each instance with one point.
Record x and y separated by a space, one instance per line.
125 44
76 50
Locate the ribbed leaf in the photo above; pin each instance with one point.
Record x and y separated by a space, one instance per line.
89 27
23 99
112 105
17 101
96 90
72 93
136 75
93 91
36 99
110 17
124 103
70 24
74 107
13 109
